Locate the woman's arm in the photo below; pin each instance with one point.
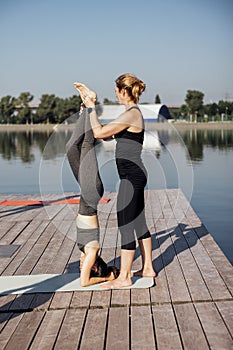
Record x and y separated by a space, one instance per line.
128 119
87 262
124 121
110 129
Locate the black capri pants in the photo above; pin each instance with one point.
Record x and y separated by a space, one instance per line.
131 214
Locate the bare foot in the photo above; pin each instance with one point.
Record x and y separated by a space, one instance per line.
85 91
145 273
117 284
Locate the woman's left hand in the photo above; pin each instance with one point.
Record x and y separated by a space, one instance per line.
88 101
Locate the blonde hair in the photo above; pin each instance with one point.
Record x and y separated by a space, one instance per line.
132 85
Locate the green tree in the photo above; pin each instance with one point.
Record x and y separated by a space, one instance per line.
73 104
106 101
24 111
225 107
157 99
211 109
194 101
46 110
183 111
60 109
7 109
65 108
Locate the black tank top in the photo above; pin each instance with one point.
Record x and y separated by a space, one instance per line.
128 155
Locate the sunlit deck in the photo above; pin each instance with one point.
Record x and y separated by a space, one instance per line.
189 307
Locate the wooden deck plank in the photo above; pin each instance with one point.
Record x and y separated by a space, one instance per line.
41 301
214 327
10 266
141 323
105 209
61 301
109 236
94 331
219 260
213 279
81 300
196 284
190 328
4 317
22 302
51 251
25 330
60 262
140 296
101 299
225 308
177 284
71 329
8 330
48 212
179 203
47 333
165 205
73 261
118 329
6 301
64 213
14 232
164 322
37 250
161 292
120 298
5 227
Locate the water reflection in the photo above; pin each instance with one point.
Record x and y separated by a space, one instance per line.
22 144
195 140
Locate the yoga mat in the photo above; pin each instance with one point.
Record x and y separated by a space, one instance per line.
29 202
47 283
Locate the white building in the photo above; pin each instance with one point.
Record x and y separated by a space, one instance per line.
151 112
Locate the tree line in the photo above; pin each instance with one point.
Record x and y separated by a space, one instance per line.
53 109
195 109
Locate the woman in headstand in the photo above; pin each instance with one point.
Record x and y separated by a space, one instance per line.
82 159
128 130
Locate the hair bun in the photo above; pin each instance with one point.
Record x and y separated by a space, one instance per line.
132 84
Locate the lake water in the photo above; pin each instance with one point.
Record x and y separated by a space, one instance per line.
200 162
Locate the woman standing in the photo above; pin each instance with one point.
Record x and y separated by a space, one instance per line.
128 130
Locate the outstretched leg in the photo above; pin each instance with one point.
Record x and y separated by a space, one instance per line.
82 159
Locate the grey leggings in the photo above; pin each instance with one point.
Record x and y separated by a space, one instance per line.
82 158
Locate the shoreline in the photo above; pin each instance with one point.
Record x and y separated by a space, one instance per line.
148 126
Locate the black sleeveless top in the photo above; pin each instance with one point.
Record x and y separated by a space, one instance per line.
128 156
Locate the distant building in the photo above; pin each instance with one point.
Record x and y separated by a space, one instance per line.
151 112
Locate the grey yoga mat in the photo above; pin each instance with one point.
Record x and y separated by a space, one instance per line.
46 283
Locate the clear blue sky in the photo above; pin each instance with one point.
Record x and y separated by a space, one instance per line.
173 45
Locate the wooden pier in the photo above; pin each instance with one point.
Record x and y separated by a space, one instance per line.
189 307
